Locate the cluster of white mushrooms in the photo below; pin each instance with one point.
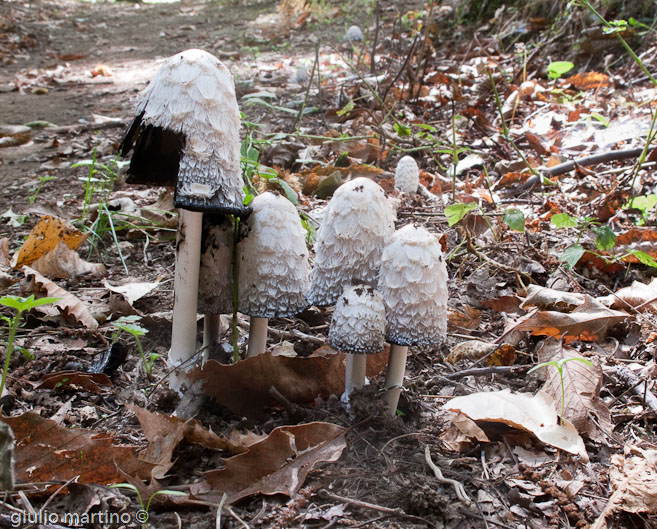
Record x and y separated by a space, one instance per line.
386 284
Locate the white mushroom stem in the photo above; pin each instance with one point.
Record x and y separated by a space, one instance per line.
211 333
185 286
395 376
257 336
355 369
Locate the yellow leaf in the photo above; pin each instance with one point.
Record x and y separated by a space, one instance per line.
44 237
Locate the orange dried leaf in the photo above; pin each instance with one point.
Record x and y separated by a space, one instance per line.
589 80
44 237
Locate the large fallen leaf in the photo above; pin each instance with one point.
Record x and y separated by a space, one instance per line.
638 296
48 452
461 433
634 481
581 389
499 354
132 291
278 464
90 382
164 432
245 387
68 304
588 322
535 414
550 299
44 237
64 263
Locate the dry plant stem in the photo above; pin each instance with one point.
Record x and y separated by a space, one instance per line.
602 157
185 286
355 367
395 376
458 487
257 336
372 506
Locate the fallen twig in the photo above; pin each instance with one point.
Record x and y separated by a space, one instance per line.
637 386
372 506
458 486
490 370
594 159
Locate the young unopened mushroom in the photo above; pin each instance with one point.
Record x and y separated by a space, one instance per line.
273 266
357 224
407 175
186 135
413 284
358 329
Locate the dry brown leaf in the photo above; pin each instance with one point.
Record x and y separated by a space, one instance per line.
550 299
535 414
132 291
278 464
500 354
4 252
44 237
461 433
244 387
634 296
68 304
634 481
64 263
91 382
589 80
164 433
47 452
467 318
588 322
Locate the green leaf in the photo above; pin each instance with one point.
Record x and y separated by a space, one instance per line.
644 203
605 238
425 126
558 68
645 258
572 255
401 130
456 212
25 304
600 118
347 108
563 220
129 325
514 219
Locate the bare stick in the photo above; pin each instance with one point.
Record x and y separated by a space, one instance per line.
637 386
458 486
372 506
601 157
395 376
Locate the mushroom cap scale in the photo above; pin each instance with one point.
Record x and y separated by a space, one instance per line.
413 284
188 114
357 224
407 175
273 260
358 323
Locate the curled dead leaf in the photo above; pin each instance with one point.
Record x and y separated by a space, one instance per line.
64 263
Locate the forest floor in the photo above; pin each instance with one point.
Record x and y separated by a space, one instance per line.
546 263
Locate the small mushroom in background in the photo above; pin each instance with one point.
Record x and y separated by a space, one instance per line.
186 135
273 266
407 175
353 35
357 224
215 286
413 284
358 329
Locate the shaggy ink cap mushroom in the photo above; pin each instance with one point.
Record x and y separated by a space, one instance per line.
186 134
273 260
357 224
407 175
358 323
354 34
413 283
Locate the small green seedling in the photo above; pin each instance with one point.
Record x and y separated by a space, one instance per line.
142 516
559 365
128 324
20 305
558 68
605 238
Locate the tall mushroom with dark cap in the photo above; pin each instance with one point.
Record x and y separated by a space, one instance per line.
273 275
358 329
413 284
357 224
186 135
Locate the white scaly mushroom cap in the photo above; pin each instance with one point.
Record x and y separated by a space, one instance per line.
413 283
359 321
357 225
353 34
215 292
193 93
407 175
273 260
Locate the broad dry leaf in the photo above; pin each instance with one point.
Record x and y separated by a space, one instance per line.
72 380
132 291
588 322
634 481
278 464
461 433
500 354
68 304
44 237
643 239
581 385
64 263
550 299
467 318
164 433
244 387
532 413
47 452
637 294
589 80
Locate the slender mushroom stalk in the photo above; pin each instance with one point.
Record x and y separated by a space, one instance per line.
357 329
357 224
413 283
186 135
273 266
407 175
